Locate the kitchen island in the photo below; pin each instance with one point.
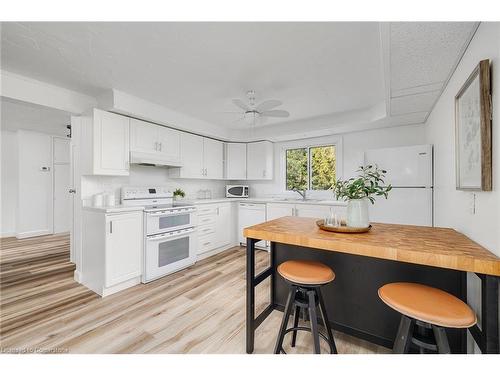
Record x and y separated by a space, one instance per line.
439 257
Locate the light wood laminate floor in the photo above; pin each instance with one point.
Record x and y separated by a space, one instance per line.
198 310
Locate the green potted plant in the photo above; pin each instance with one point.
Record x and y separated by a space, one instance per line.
368 185
179 194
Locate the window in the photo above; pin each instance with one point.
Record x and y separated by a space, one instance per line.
310 168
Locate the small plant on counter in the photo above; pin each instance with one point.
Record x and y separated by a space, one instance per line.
357 191
368 184
179 193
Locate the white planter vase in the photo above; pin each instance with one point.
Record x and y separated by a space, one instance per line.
357 213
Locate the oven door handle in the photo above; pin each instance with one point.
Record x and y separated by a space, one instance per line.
171 213
168 236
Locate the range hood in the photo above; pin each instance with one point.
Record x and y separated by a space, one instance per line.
144 158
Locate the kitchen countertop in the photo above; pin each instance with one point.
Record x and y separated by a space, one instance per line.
270 200
430 246
113 209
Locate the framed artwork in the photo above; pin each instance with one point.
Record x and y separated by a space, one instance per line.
473 131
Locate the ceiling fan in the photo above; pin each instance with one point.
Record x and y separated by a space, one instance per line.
252 112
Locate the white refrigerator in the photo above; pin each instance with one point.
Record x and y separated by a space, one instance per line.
409 171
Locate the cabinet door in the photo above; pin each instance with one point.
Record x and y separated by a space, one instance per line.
169 143
213 152
310 210
236 161
192 156
277 210
260 160
222 224
124 243
111 144
143 136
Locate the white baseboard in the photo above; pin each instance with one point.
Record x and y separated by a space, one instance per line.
77 276
34 233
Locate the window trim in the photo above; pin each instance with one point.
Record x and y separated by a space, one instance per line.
308 143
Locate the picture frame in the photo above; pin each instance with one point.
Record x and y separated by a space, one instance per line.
473 121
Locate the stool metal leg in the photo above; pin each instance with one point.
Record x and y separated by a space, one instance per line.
404 335
314 320
295 325
441 340
286 317
326 322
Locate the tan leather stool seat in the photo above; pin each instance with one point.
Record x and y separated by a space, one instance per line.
428 304
306 272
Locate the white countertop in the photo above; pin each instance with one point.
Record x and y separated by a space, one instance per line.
113 209
270 200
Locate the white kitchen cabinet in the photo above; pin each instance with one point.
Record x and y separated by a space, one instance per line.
112 250
105 144
250 214
155 142
201 158
312 210
235 161
213 158
260 159
277 210
214 221
143 137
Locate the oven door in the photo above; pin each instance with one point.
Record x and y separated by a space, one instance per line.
168 252
171 220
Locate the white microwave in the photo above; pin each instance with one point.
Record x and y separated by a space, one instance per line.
236 191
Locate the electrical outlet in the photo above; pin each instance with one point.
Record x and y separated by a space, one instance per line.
472 203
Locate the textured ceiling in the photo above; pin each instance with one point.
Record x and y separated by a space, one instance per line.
197 68
19 115
316 69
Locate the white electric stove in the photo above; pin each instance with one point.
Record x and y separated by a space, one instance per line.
169 230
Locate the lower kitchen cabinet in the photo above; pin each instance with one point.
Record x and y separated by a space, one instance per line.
214 222
277 210
112 248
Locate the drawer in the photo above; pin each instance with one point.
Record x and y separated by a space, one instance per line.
207 210
206 243
205 220
206 229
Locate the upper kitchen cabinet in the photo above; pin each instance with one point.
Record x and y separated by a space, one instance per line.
201 158
260 157
236 161
105 144
155 144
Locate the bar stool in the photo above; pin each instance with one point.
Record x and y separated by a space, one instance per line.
426 312
305 279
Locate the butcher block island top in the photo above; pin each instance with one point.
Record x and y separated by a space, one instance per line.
430 246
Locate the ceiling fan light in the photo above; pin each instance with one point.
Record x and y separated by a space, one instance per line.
251 117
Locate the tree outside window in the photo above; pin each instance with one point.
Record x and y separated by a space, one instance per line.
311 168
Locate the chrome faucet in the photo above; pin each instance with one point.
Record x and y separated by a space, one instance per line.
301 192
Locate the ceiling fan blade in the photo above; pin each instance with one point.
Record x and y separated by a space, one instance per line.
230 112
241 104
267 105
276 113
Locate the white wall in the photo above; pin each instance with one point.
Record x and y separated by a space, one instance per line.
353 146
143 176
452 207
8 177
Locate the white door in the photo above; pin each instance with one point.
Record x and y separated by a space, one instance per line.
35 198
62 199
111 144
412 206
169 143
260 161
409 166
213 155
222 224
277 210
124 243
192 156
61 149
236 161
143 136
